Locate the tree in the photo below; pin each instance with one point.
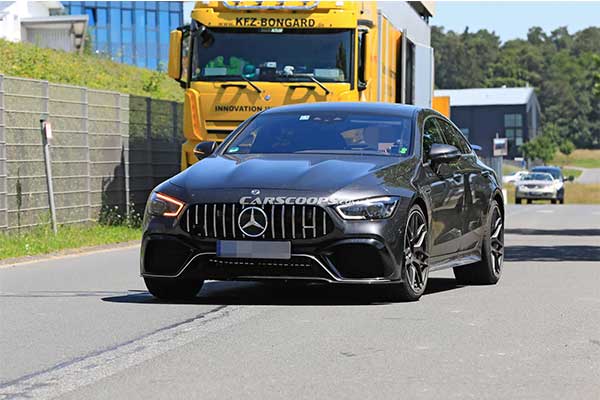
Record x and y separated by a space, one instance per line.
563 68
540 148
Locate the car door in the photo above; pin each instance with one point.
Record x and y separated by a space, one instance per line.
445 190
477 188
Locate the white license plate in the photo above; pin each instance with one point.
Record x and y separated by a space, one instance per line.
254 249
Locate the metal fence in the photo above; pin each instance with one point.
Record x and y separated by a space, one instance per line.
108 149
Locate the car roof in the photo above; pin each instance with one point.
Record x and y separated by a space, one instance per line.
355 107
545 168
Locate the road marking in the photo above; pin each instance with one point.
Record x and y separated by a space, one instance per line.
90 368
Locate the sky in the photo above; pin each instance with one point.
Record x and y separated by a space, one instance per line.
509 19
512 19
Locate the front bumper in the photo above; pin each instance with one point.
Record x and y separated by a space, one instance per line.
354 252
536 194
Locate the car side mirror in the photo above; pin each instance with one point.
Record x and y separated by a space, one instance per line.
204 149
361 86
443 153
570 178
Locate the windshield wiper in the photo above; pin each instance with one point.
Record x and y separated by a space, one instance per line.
312 78
258 90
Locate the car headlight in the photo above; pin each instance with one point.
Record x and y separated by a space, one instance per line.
375 208
159 204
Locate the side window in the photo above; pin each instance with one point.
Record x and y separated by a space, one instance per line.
453 137
185 55
431 135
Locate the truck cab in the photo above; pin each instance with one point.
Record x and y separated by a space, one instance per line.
237 58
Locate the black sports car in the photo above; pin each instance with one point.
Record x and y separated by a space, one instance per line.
364 193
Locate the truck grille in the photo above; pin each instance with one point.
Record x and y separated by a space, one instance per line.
283 222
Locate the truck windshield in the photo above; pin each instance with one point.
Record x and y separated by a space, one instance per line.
274 55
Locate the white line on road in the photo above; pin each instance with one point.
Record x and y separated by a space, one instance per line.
90 368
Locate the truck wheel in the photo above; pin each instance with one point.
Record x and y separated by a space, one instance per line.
173 289
518 200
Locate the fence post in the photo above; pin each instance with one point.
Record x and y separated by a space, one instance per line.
124 130
3 173
149 143
86 130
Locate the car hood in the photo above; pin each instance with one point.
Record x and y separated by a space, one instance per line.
325 173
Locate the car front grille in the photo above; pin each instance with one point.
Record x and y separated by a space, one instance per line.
283 221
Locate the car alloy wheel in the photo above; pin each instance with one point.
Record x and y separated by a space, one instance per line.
415 251
497 241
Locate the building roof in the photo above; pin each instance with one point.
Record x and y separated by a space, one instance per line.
487 96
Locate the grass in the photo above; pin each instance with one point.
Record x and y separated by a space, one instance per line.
29 61
508 169
575 193
579 158
41 240
575 173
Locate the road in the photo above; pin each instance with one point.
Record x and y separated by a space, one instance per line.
83 327
590 175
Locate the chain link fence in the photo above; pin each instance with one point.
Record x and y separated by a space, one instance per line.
108 150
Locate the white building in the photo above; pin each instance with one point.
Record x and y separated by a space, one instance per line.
40 23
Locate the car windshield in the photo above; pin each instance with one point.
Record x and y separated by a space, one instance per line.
274 54
552 171
325 132
537 177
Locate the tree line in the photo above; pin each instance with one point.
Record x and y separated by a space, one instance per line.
563 68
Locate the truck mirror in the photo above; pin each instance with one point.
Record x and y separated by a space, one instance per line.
174 70
361 86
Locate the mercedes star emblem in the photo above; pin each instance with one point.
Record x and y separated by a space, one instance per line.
252 221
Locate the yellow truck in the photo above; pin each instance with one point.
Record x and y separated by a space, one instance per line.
237 58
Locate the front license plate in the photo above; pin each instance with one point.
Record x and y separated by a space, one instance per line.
254 249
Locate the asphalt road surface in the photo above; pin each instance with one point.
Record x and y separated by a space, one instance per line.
83 327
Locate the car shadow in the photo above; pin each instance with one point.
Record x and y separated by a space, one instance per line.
553 232
552 253
281 294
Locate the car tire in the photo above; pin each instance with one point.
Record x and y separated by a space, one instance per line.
553 201
518 200
415 268
529 201
489 270
561 200
173 289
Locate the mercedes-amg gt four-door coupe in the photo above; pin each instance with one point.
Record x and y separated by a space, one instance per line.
360 193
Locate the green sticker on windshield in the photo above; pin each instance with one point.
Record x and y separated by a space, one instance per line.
234 149
403 150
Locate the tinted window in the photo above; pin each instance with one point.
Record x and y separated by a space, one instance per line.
431 135
453 137
325 132
555 172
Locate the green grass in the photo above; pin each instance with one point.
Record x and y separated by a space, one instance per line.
575 173
29 61
579 158
41 240
575 193
508 169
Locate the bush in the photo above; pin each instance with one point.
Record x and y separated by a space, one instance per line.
29 61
